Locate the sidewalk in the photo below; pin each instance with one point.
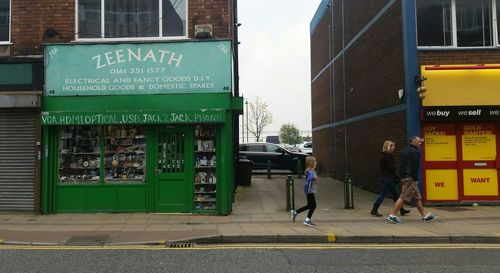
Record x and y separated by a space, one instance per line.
259 216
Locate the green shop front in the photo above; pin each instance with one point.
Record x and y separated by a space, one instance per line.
138 127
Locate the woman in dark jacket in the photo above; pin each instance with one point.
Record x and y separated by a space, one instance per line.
388 178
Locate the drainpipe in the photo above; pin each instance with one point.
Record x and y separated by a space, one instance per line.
236 93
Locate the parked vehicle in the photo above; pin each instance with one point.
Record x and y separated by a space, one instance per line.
295 149
273 139
280 158
307 148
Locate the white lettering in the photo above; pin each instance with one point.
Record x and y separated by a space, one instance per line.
109 58
118 56
172 58
150 55
136 56
98 62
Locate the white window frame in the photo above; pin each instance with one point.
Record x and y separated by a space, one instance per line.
453 6
103 20
10 26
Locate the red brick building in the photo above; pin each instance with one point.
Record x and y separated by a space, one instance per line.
367 60
26 26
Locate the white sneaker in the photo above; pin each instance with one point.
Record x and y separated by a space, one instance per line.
309 223
429 217
394 219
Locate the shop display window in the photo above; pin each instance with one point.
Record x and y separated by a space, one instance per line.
79 154
125 154
92 154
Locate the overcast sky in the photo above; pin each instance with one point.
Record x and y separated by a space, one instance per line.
274 58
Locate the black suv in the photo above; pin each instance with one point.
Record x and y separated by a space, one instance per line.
280 158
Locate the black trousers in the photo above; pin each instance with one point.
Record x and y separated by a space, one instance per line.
311 205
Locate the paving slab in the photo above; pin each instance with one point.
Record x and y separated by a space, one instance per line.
259 216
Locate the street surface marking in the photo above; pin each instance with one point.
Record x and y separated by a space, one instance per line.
259 246
331 237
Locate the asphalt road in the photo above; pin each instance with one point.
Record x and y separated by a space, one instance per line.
443 259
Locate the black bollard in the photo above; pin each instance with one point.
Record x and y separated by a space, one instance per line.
348 194
290 193
299 168
268 169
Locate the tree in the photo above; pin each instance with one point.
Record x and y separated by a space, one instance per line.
259 117
289 134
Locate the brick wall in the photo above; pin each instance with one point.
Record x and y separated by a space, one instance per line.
374 72
320 100
359 12
339 153
215 12
459 57
338 86
323 150
364 145
320 55
30 19
337 27
375 66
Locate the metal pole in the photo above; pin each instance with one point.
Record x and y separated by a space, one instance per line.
290 194
287 193
268 169
246 104
299 168
243 128
348 194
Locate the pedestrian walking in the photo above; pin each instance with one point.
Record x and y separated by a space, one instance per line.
388 179
310 188
410 162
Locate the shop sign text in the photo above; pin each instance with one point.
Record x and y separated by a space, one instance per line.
142 68
132 118
461 113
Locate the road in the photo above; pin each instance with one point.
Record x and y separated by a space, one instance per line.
254 258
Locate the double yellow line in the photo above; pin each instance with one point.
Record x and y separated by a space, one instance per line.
257 246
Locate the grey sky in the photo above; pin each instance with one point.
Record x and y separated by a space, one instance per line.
274 58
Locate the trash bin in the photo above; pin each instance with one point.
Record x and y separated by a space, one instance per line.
245 172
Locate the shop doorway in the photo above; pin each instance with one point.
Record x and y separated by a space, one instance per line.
461 162
173 170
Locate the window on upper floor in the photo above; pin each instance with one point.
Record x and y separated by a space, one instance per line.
434 23
4 21
129 19
497 18
457 23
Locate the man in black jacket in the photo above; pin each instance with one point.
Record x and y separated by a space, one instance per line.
410 162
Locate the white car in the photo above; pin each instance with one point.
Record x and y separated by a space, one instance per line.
307 148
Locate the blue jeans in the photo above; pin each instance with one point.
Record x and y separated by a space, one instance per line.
388 185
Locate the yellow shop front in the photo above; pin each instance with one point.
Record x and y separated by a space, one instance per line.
460 123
